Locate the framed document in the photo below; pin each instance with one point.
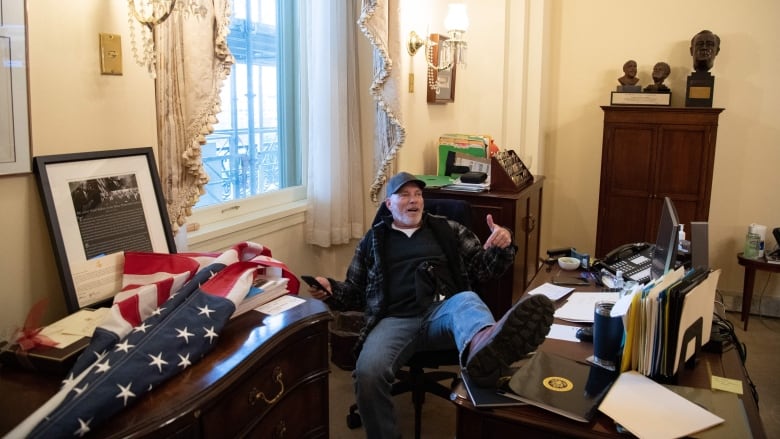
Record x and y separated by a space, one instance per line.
99 205
14 124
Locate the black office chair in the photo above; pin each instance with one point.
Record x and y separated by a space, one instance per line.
416 376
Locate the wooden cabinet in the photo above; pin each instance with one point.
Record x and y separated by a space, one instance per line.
519 211
649 153
267 377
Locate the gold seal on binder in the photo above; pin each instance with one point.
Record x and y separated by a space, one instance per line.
558 384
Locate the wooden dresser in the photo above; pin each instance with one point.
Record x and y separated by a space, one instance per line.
649 153
520 211
267 377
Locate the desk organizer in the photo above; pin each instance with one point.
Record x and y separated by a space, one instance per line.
508 172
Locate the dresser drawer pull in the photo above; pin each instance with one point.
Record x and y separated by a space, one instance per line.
256 395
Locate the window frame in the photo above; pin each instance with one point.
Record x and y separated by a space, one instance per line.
283 207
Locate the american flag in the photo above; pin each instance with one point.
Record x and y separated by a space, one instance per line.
155 330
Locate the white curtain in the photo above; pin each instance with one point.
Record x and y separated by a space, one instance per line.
331 123
379 22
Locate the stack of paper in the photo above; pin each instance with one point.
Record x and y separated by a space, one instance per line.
263 291
579 308
458 185
552 292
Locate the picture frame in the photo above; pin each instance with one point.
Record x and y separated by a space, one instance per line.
444 79
14 117
99 205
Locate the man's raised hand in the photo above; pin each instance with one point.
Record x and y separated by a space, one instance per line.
499 236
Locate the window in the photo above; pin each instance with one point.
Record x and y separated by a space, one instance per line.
253 155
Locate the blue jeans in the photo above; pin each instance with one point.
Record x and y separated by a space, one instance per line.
446 325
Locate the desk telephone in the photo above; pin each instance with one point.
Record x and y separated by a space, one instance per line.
625 251
634 259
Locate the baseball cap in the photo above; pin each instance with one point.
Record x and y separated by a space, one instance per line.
398 180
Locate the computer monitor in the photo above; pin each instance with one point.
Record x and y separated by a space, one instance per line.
665 250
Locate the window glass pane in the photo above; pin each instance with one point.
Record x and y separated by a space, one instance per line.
247 155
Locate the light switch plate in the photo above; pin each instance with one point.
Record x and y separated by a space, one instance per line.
110 54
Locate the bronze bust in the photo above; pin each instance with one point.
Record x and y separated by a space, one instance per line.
705 46
629 73
661 71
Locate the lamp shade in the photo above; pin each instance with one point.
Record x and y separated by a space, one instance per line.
456 20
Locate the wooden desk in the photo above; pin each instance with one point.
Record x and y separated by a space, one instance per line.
530 421
751 266
284 356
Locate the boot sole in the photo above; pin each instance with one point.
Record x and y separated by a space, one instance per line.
524 330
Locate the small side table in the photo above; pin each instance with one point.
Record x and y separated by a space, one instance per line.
751 265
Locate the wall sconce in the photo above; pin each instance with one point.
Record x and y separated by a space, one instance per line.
453 49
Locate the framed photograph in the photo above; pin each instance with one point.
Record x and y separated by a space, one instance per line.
14 124
442 80
99 205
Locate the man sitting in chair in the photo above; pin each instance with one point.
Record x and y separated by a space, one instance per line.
413 274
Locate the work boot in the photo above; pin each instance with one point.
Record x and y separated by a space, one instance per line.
493 349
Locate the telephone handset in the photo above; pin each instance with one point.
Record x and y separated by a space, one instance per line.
625 251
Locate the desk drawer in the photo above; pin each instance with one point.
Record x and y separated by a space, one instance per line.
272 383
302 414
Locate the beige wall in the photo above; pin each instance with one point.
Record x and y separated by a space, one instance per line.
537 74
592 40
584 47
72 108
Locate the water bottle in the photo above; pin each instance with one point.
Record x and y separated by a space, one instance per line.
752 241
619 284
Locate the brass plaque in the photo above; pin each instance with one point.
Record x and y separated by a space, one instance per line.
699 92
110 54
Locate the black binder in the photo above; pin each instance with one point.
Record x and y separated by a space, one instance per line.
561 385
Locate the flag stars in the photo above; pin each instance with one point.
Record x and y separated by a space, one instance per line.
142 328
99 355
205 310
158 311
125 393
83 428
185 361
70 380
157 361
124 346
102 367
79 390
183 333
210 334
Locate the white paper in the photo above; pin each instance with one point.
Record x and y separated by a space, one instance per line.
650 410
580 306
564 332
281 304
75 326
553 292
